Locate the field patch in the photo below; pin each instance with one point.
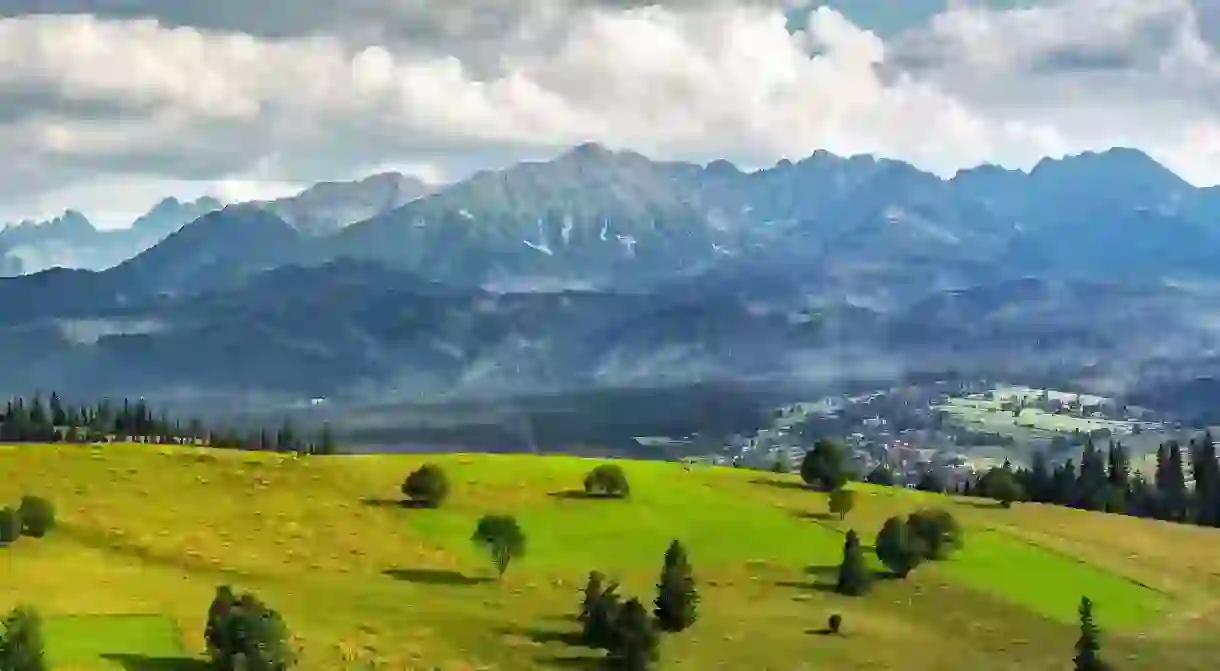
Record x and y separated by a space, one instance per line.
1050 583
120 642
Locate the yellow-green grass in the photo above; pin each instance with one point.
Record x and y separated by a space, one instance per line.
151 531
120 641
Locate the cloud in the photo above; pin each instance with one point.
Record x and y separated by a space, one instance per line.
216 93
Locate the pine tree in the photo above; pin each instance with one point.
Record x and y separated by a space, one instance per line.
1177 482
677 599
637 645
854 576
1039 484
600 613
326 440
1088 647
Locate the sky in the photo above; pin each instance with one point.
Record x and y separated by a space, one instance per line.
106 106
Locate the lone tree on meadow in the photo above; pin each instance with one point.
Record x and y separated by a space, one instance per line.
1088 646
599 612
841 501
607 480
427 486
854 576
899 549
636 645
10 525
21 642
676 596
1001 484
938 530
37 516
243 634
825 466
501 537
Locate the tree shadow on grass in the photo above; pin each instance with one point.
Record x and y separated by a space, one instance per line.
783 484
979 503
404 504
429 576
544 636
145 663
579 663
817 517
578 494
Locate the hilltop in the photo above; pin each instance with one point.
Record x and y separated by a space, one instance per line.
148 532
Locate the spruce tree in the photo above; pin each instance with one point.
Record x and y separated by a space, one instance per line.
854 576
1088 646
677 599
637 645
600 613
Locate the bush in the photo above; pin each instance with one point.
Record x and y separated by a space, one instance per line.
10 525
502 538
427 486
825 466
897 548
834 624
37 516
937 530
880 475
607 480
21 644
243 634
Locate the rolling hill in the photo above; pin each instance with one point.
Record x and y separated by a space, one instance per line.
363 581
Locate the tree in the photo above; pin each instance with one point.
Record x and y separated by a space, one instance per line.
677 599
607 480
243 634
501 537
841 501
10 525
636 644
599 612
427 486
37 516
937 530
1001 484
326 440
899 549
881 475
782 463
1088 646
834 623
21 643
854 576
825 466
931 481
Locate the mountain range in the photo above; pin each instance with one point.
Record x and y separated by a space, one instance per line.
605 269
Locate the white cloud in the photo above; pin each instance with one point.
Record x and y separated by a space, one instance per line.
133 101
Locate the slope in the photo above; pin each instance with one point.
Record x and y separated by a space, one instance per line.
365 583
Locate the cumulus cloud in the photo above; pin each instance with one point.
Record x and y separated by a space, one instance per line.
216 93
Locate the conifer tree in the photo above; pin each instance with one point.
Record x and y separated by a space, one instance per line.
677 599
599 614
1088 646
21 642
854 576
637 645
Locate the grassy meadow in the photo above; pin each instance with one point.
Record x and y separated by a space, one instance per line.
147 532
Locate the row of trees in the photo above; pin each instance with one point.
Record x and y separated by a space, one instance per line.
52 420
624 629
902 545
1105 481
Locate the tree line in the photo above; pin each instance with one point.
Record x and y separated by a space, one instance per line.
49 420
1105 481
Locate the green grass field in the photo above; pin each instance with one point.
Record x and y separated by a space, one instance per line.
148 532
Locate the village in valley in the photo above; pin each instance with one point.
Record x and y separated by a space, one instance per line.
953 431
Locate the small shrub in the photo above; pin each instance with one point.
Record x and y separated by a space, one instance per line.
21 643
243 634
834 624
10 525
428 486
37 516
938 531
502 538
607 480
841 501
